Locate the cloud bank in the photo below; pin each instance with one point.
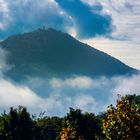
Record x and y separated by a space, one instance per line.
72 92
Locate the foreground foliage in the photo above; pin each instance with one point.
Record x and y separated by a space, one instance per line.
123 121
117 123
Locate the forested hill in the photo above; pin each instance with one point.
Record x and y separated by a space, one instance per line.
54 53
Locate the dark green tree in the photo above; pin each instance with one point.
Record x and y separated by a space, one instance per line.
85 124
50 127
17 125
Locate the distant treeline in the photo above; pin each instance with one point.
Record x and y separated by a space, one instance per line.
121 122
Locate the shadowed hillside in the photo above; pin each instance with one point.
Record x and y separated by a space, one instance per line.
54 53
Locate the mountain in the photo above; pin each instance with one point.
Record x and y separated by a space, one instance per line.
48 52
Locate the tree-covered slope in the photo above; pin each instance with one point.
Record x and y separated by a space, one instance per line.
54 53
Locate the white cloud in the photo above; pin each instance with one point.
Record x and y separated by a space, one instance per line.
86 102
96 97
81 82
3 6
14 95
54 104
78 82
125 14
4 15
59 101
128 85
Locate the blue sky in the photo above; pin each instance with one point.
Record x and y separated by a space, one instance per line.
109 25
